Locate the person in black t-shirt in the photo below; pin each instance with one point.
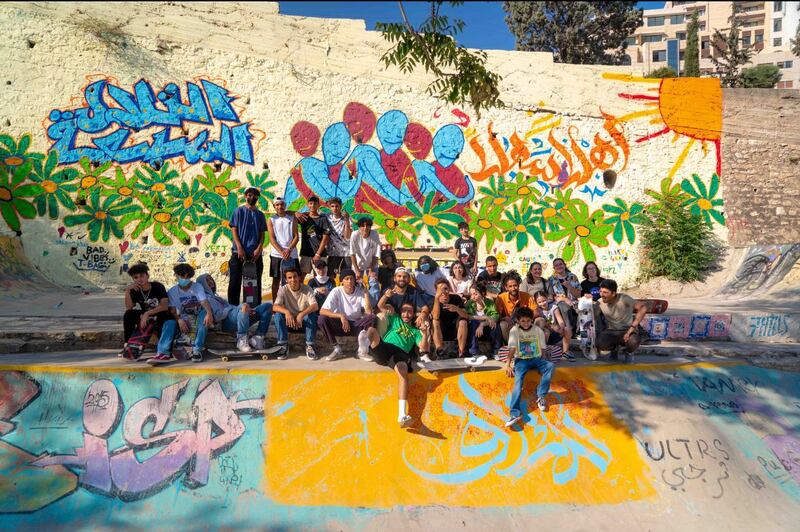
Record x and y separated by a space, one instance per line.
144 301
386 269
315 232
465 249
591 280
450 320
492 278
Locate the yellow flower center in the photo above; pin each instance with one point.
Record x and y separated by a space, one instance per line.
549 212
390 223
520 228
499 201
625 216
704 204
484 224
5 194
430 220
162 217
222 191
49 186
100 215
158 187
125 191
582 231
88 181
523 191
13 161
187 203
226 224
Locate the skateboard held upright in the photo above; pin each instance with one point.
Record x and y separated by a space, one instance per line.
586 328
250 283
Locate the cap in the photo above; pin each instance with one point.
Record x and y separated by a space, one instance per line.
320 264
345 273
279 199
401 269
254 190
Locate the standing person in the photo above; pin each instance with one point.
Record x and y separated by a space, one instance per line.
145 301
591 280
511 300
465 249
483 318
315 232
248 225
295 310
321 283
622 327
450 320
395 349
283 238
460 280
386 269
526 349
492 278
565 289
533 281
347 312
365 247
553 324
339 243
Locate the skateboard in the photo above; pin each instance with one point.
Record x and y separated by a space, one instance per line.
453 364
183 348
250 283
586 328
655 306
139 341
233 353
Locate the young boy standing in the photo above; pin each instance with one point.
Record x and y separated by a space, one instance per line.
339 244
315 235
465 249
526 345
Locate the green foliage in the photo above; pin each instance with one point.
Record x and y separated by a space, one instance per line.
761 77
676 244
691 62
730 56
663 72
461 75
796 43
575 32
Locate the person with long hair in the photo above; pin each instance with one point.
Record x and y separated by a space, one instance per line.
460 280
591 280
565 289
533 281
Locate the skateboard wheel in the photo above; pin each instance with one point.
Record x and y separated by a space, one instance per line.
225 359
264 357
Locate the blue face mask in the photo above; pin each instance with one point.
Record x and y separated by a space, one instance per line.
183 283
425 267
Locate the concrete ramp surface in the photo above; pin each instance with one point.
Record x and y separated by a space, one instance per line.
656 447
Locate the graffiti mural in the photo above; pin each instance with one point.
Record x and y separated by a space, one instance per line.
110 115
762 268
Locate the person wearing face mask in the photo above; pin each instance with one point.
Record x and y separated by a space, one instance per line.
321 283
248 225
526 345
427 274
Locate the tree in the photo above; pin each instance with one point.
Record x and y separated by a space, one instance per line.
729 56
761 77
796 43
662 72
575 32
461 75
691 63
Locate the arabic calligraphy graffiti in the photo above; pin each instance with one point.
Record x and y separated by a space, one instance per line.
560 445
111 114
684 467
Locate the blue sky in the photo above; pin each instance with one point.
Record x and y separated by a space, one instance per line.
485 27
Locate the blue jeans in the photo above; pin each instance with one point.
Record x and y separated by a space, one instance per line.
523 366
167 336
239 321
495 335
282 330
374 292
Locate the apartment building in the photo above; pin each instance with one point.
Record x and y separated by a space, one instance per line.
766 26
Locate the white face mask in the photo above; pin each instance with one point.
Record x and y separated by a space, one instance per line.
321 278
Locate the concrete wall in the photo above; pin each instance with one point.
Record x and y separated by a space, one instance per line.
295 102
287 449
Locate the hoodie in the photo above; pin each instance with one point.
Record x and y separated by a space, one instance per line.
219 305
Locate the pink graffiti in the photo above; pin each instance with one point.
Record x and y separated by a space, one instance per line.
305 138
216 427
462 116
360 121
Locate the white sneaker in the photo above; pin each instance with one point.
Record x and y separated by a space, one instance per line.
336 354
257 342
512 420
363 346
405 421
541 404
424 358
242 345
311 353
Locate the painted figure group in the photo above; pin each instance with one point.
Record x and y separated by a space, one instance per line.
397 314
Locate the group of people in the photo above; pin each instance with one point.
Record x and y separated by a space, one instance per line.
397 314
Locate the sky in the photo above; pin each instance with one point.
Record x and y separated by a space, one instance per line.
484 21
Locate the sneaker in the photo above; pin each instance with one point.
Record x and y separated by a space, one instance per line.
590 354
425 358
242 345
283 354
614 354
365 356
441 354
257 342
513 420
628 358
182 339
121 354
311 352
197 355
336 354
569 356
541 404
363 346
475 360
161 358
405 421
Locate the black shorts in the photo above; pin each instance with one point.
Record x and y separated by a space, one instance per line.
278 264
554 338
390 355
449 330
337 264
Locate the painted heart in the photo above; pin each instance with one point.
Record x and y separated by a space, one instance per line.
197 238
123 246
61 231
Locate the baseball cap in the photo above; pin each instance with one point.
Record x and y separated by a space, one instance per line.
346 272
279 199
254 190
320 264
401 269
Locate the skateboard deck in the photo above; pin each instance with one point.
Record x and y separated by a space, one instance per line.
250 283
183 350
655 306
452 364
586 328
139 341
235 353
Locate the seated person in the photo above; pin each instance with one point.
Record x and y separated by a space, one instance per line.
492 278
460 281
347 312
395 348
483 318
145 301
622 327
386 269
564 288
591 280
450 320
295 310
510 300
553 324
321 284
402 293
426 276
534 282
191 310
232 318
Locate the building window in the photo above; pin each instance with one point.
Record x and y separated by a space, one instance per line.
777 25
652 38
680 56
759 37
746 40
752 23
705 45
777 7
681 35
659 56
701 26
777 42
630 41
677 19
655 21
785 64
